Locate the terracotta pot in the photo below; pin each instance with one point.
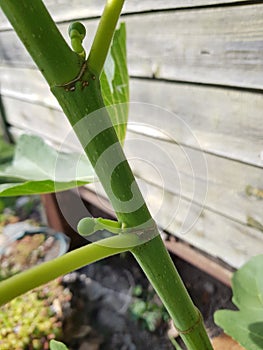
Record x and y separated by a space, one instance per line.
224 342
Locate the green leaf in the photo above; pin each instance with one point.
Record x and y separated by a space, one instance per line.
248 285
6 152
56 345
38 168
115 82
243 326
246 325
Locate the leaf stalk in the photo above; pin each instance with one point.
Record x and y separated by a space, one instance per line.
104 34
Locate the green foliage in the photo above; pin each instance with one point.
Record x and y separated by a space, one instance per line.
7 202
246 325
115 83
6 152
29 321
148 312
6 155
56 345
38 168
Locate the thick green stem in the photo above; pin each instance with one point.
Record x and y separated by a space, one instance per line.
83 104
159 268
36 29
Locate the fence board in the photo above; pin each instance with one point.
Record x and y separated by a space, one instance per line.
226 188
225 122
65 10
212 233
221 46
232 186
218 236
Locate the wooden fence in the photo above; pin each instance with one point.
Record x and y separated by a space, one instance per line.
195 137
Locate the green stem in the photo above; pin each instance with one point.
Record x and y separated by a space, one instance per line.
103 37
36 29
175 344
43 273
83 104
161 272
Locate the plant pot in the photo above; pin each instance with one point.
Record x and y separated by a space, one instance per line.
23 246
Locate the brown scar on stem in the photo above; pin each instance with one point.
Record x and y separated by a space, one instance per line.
85 83
70 86
191 329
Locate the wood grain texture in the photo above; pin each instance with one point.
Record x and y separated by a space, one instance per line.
220 237
230 241
48 122
225 122
65 10
213 46
217 183
220 184
221 46
199 260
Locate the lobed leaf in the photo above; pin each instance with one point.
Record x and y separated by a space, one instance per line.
248 285
246 325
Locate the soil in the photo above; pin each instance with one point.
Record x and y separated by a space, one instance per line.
27 251
100 318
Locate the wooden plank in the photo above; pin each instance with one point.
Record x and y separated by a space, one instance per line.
225 122
225 186
66 10
229 188
213 234
220 119
47 122
200 261
27 85
220 46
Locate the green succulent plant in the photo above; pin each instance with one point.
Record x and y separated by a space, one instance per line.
149 312
31 320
